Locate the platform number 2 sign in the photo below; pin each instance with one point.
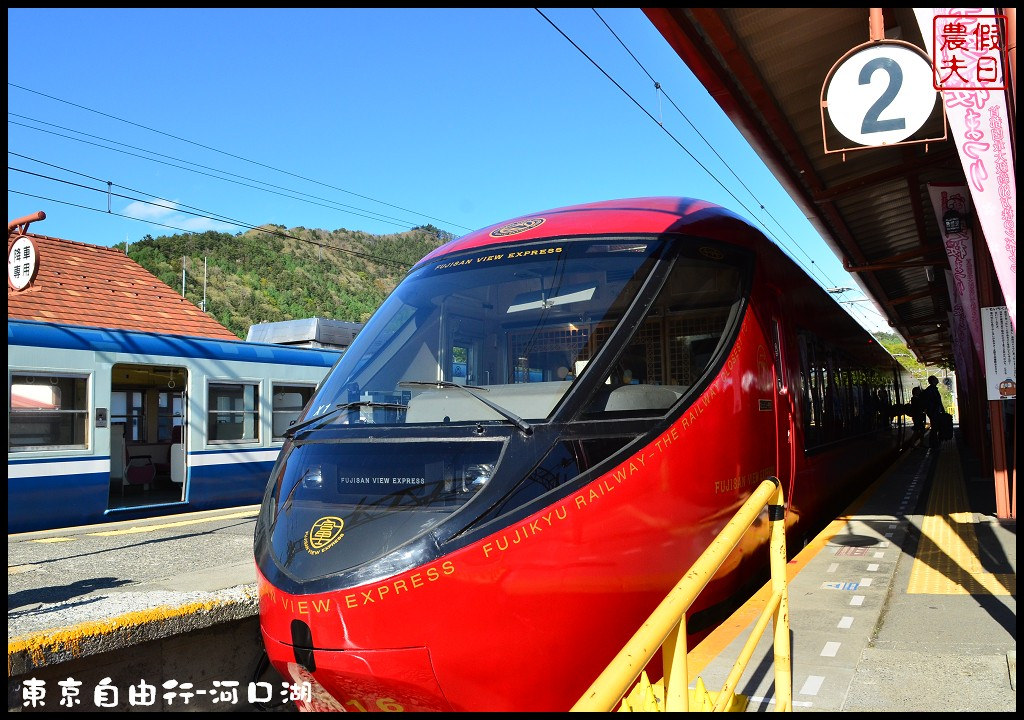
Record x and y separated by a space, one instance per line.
881 94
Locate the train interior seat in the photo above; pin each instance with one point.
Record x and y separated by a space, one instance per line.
529 401
129 469
532 401
139 470
644 397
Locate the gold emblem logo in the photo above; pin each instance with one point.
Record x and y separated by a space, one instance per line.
519 226
711 253
324 535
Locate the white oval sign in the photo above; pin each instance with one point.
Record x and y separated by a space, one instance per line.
881 95
21 263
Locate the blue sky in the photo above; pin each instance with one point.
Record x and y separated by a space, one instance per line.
367 119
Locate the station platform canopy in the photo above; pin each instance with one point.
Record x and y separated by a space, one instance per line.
769 68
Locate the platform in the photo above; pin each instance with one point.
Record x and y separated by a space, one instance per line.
166 599
907 603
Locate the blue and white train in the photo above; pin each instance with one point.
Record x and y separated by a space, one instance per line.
108 425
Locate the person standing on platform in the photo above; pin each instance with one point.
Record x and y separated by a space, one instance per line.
917 414
932 401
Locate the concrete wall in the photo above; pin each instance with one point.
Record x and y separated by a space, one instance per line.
228 651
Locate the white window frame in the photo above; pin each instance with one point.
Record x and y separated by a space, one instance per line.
48 376
253 412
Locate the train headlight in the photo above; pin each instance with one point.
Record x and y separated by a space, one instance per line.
475 477
313 478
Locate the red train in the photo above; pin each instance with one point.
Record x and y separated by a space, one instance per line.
534 437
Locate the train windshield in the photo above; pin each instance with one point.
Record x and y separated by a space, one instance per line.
429 408
490 336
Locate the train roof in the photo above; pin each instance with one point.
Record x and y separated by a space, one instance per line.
632 215
78 337
688 216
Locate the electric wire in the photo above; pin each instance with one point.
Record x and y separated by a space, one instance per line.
822 277
660 89
682 147
162 202
658 86
232 155
347 208
105 212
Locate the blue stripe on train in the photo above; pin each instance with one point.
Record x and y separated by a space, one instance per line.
40 503
84 496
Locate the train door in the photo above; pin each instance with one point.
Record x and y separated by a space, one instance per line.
785 445
173 403
147 435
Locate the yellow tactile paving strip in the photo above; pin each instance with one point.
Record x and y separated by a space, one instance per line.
129 529
946 562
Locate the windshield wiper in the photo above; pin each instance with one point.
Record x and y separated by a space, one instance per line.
469 390
341 407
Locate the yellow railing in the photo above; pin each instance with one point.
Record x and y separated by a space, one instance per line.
666 627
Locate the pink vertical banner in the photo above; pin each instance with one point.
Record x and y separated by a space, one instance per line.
967 40
960 334
963 288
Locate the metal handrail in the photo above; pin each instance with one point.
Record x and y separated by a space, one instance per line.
666 626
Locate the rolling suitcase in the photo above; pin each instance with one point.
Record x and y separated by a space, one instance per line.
945 426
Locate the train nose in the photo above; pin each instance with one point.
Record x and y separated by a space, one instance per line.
399 680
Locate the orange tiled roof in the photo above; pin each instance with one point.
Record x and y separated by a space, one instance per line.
81 284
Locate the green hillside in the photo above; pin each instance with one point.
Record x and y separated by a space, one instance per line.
917 372
275 273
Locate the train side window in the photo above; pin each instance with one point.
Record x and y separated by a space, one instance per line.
840 395
288 401
47 412
809 393
233 412
675 346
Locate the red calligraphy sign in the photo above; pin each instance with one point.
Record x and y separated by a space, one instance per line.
967 53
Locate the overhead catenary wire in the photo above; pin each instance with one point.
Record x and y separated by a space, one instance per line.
162 202
380 218
814 270
228 154
661 90
92 209
674 139
335 205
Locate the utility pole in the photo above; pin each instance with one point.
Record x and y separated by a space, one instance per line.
204 284
183 276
